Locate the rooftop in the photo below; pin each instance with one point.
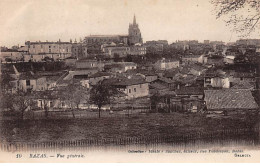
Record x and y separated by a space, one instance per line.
189 91
229 99
191 56
105 36
127 82
100 74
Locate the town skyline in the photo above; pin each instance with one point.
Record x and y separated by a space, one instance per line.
31 21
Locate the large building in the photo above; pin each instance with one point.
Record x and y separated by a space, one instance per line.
134 33
79 50
134 36
56 50
101 39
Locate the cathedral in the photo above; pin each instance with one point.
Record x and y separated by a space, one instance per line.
134 36
134 33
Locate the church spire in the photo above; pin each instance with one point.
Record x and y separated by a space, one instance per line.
134 22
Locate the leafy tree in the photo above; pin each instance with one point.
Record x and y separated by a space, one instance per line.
73 94
116 57
6 101
129 58
22 101
101 94
243 15
5 82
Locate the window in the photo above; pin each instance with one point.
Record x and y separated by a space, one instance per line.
241 78
27 82
129 90
51 104
40 101
134 89
49 46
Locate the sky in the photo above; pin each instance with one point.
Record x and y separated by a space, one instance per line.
41 20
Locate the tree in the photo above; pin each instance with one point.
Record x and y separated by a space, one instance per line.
22 101
74 94
5 81
6 103
101 94
45 96
117 57
243 15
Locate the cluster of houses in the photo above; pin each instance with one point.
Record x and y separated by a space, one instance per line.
189 84
193 77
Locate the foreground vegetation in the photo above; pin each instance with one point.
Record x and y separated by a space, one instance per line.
141 125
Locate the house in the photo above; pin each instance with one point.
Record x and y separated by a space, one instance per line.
120 67
79 72
243 85
186 104
158 88
238 77
230 101
128 65
137 50
11 55
188 99
215 61
113 52
164 82
186 80
166 64
30 81
189 92
97 77
149 76
172 74
70 61
189 59
133 88
197 69
90 64
216 78
51 78
229 59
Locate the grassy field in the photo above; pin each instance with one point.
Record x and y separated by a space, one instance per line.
150 124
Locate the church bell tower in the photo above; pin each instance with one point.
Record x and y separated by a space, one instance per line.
134 33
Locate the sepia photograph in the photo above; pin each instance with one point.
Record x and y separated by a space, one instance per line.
126 81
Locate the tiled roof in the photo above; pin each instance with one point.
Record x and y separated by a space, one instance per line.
197 67
167 93
189 91
158 86
171 73
244 74
126 82
100 74
188 79
27 76
191 56
146 72
229 99
243 85
166 80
